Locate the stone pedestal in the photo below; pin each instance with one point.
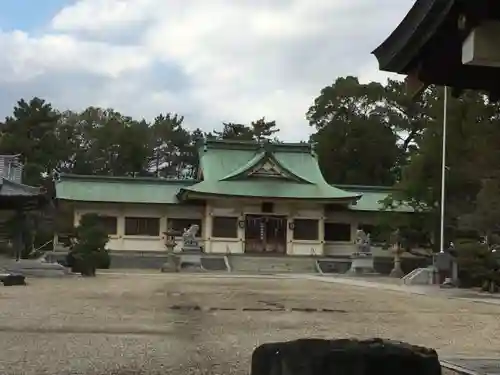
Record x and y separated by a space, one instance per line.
361 264
171 265
397 271
446 267
190 260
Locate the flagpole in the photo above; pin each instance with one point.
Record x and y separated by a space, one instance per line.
443 169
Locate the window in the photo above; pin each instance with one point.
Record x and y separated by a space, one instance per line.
305 229
179 225
337 232
225 227
109 223
142 226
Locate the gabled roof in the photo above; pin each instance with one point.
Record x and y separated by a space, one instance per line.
257 167
13 189
229 169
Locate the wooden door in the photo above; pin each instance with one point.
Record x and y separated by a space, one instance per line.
265 234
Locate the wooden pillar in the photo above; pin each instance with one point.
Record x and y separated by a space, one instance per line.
19 227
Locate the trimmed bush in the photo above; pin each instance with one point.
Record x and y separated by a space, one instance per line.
477 265
88 251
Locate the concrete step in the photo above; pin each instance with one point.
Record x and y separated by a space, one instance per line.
419 276
267 264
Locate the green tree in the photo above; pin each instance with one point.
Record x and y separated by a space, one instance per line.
89 248
32 132
485 217
263 130
258 130
171 146
234 132
420 185
105 142
355 143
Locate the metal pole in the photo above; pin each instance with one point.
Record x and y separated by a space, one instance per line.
443 169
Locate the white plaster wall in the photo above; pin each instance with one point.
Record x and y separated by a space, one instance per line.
339 248
226 246
225 207
123 242
315 248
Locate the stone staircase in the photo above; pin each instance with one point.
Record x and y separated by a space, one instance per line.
419 276
271 265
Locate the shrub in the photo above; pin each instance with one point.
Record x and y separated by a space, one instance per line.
476 264
88 250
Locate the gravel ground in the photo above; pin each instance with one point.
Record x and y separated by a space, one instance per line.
125 324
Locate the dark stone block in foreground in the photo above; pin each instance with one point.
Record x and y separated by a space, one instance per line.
13 279
344 357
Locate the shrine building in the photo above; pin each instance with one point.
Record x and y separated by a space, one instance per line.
248 198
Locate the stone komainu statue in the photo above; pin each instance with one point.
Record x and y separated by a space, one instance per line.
363 241
191 232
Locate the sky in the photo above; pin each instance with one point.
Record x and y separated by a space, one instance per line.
211 61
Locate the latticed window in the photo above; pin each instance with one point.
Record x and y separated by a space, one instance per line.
142 226
11 168
225 227
337 232
306 229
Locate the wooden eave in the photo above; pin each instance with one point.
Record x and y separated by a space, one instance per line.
398 51
427 46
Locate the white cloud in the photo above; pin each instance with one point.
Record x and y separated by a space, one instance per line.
27 57
102 15
219 60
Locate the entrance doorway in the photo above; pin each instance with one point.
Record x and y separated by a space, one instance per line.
265 234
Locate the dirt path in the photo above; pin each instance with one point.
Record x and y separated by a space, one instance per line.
146 322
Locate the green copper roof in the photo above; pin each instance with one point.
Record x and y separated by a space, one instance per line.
163 191
260 159
268 188
228 169
218 159
10 188
371 197
222 161
119 189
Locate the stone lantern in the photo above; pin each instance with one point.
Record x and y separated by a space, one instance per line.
171 265
397 251
170 240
